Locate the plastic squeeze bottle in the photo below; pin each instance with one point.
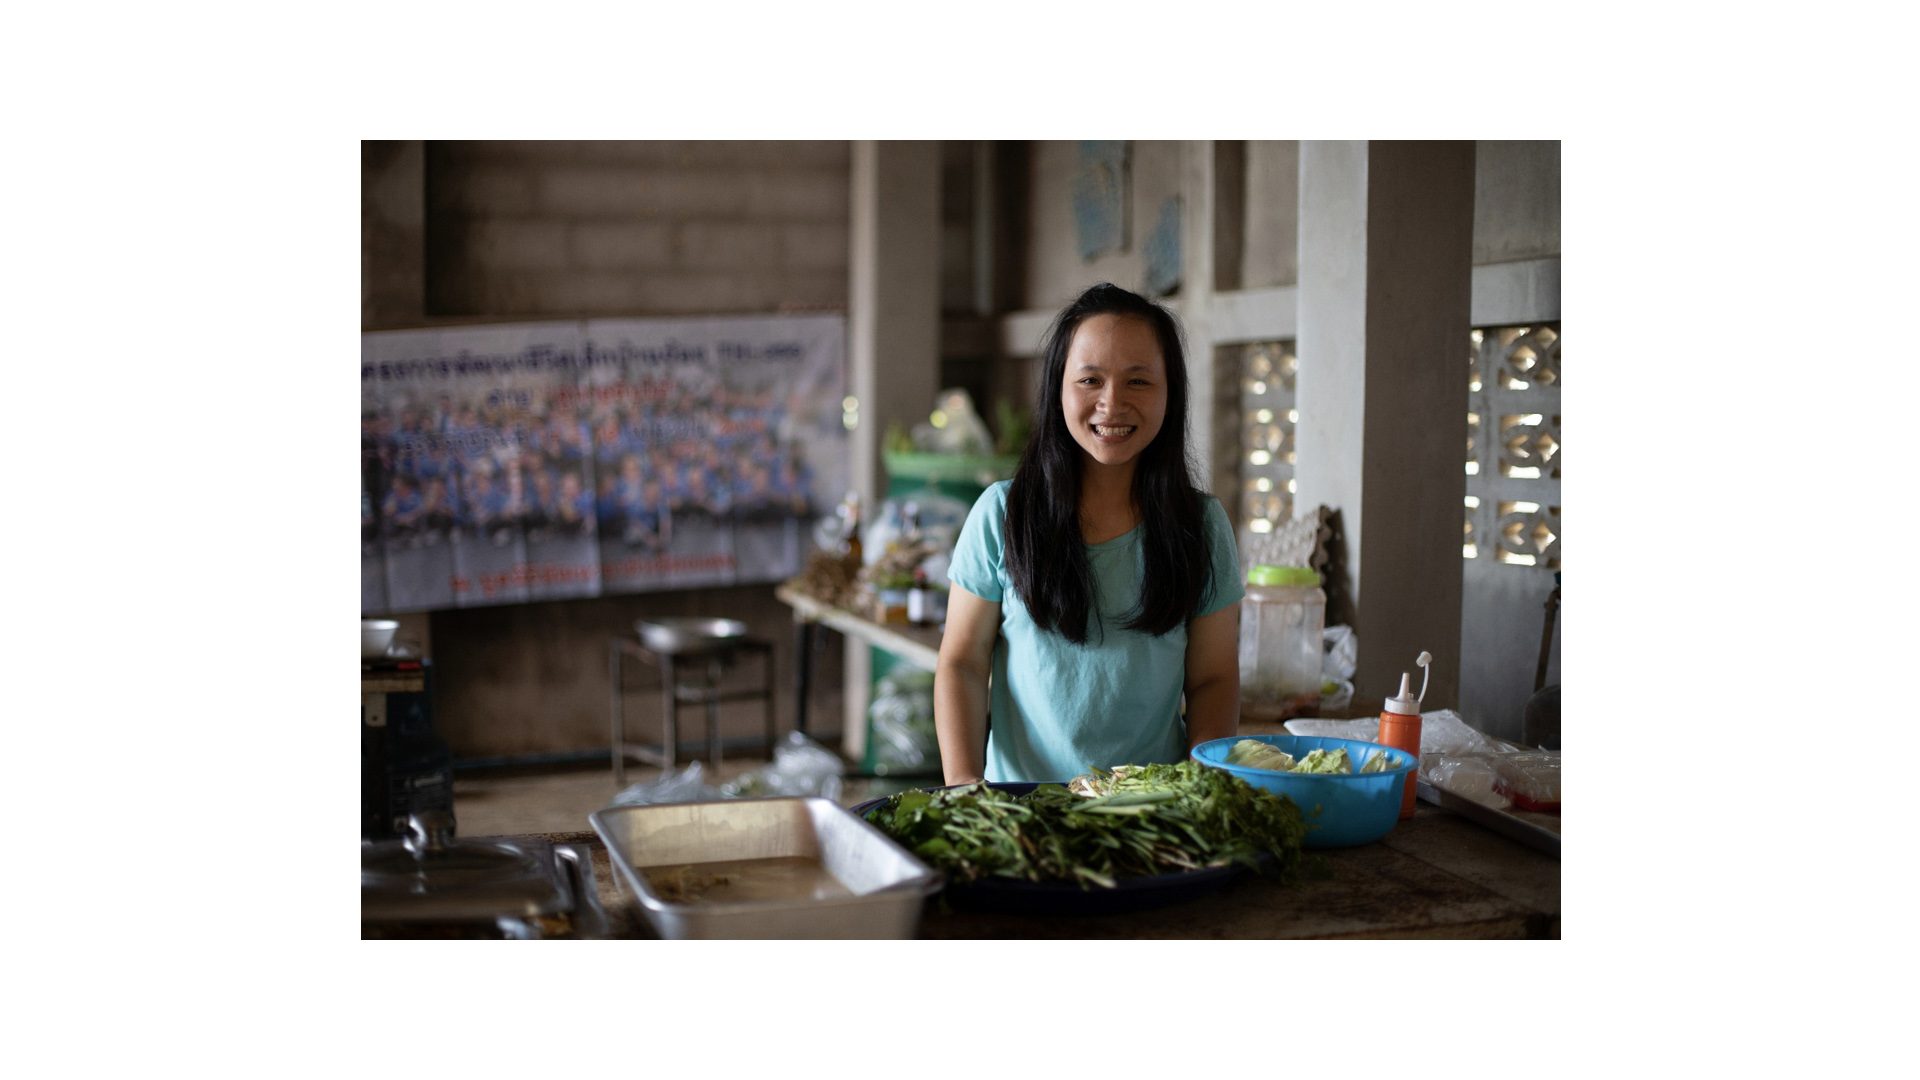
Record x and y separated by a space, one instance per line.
1400 727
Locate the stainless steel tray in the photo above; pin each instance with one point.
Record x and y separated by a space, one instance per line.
1499 821
675 635
888 884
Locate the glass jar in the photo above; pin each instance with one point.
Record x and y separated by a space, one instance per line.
1282 627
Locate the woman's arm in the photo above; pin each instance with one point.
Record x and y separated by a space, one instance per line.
1213 676
960 685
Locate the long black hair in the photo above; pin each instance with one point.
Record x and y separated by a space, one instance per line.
1046 555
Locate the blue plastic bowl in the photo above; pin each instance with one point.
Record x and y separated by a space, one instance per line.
1340 810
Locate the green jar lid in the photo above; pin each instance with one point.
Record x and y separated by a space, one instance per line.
1281 575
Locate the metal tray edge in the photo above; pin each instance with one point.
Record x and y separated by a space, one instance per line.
1506 824
923 885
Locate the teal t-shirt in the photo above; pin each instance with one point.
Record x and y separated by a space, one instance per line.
1057 707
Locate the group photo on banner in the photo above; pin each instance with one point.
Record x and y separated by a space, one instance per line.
540 461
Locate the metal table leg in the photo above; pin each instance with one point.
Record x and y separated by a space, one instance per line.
670 714
619 723
802 671
766 683
713 711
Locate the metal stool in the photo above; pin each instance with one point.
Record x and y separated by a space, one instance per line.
711 660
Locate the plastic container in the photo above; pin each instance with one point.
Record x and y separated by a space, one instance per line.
1339 809
1400 724
1282 637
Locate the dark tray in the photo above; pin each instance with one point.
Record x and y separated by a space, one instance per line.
1068 898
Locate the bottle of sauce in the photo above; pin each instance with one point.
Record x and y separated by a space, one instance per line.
920 599
1400 727
850 546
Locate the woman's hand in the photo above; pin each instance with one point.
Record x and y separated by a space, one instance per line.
1213 676
960 685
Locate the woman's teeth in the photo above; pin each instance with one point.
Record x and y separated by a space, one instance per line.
1109 431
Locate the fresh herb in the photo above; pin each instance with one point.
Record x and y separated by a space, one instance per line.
1133 821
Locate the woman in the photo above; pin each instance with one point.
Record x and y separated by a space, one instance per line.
1099 585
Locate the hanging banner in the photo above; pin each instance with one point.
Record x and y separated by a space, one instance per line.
541 461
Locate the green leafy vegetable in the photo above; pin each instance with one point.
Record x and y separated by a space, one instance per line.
1255 754
1324 761
1381 761
1133 821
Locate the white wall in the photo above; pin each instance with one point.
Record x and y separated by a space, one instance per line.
1271 248
1516 209
1055 272
1516 204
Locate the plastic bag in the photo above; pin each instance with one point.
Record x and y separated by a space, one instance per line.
671 786
1342 650
1522 779
1442 734
1531 778
1470 776
961 430
800 767
1467 762
901 724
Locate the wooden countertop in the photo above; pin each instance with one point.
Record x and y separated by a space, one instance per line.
1436 875
919 644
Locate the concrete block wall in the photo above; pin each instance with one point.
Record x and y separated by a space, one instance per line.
393 231
521 679
545 229
491 231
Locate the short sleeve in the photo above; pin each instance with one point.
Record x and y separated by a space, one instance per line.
980 551
1227 586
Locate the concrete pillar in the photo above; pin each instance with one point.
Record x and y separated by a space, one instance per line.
893 329
893 311
1386 236
1196 306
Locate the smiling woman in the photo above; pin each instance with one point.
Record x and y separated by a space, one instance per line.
1099 587
1115 394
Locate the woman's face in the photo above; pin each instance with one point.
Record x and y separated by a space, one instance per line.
1114 392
